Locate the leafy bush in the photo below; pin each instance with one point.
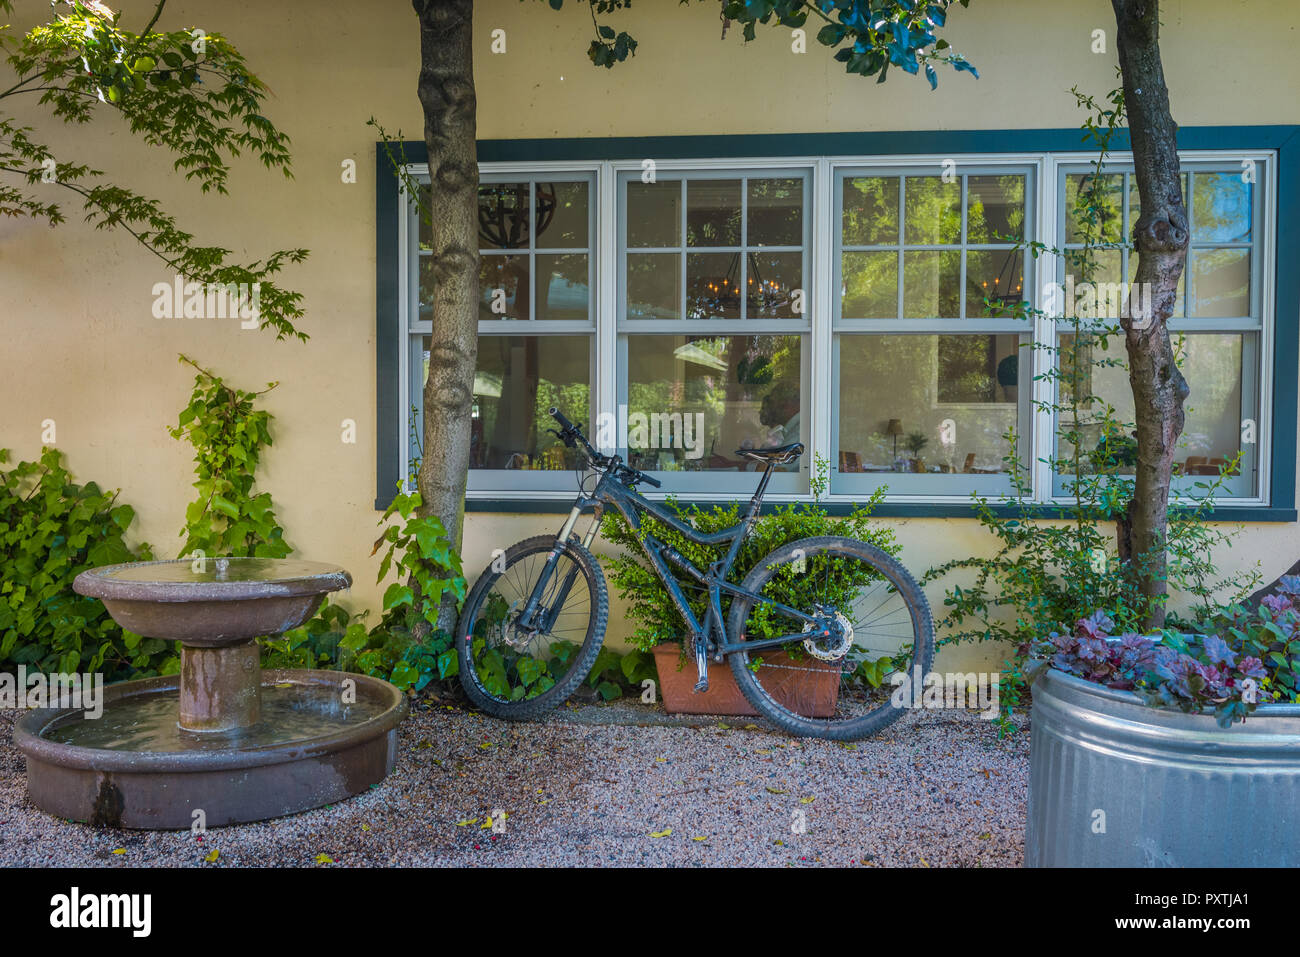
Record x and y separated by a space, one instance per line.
650 607
52 529
228 435
1252 657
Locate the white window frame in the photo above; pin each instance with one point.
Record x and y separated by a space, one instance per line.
818 411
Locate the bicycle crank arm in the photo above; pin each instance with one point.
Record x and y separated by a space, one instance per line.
702 665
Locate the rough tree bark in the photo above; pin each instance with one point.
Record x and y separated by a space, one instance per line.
446 91
1161 237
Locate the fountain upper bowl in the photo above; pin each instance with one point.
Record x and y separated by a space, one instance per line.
212 602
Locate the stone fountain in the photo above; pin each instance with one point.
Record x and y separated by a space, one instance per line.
223 742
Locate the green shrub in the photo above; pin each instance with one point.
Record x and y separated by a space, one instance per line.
52 529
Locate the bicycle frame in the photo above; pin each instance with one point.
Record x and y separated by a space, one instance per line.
631 504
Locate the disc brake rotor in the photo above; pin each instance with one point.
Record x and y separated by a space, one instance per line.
834 646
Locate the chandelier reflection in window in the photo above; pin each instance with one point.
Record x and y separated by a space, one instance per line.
1004 289
720 295
503 220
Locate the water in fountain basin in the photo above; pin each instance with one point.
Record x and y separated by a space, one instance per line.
147 722
208 570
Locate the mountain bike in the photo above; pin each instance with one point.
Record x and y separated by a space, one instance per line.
814 632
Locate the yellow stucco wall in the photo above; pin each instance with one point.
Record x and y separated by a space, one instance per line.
82 348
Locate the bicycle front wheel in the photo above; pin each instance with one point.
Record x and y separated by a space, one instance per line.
834 681
517 672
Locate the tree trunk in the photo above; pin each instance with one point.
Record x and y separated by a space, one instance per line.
1161 238
446 90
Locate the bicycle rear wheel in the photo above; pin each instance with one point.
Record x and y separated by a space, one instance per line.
836 685
517 673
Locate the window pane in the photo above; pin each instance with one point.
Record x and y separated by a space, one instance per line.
1106 224
1222 210
713 212
995 209
424 308
562 291
870 216
927 404
654 213
870 285
774 284
503 220
932 213
1221 282
998 275
713 286
425 233
931 284
775 212
503 287
1212 364
561 215
694 400
654 289
518 379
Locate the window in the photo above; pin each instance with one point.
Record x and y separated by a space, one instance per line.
536 327
927 376
712 321
862 306
1217 325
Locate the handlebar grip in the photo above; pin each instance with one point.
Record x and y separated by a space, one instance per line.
559 417
651 481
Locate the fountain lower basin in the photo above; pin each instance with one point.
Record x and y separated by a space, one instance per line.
222 742
231 778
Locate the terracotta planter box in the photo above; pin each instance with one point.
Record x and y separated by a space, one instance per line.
812 688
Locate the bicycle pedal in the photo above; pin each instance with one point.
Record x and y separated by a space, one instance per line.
702 686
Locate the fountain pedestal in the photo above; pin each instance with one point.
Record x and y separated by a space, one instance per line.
220 743
221 688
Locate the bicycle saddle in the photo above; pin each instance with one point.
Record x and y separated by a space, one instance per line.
778 456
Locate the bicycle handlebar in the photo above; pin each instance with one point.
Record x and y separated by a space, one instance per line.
571 436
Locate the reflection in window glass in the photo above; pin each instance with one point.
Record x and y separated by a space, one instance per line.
775 212
693 400
1106 222
1212 364
931 284
654 289
562 290
654 213
713 212
870 215
517 381
1221 282
503 287
1221 211
870 285
995 209
562 214
932 211
932 404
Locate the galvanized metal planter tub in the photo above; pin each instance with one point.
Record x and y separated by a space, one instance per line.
1117 783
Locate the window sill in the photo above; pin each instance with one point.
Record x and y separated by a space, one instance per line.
507 504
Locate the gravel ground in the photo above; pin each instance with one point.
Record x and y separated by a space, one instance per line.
619 784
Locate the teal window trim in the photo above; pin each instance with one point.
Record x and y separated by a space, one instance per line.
1285 140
